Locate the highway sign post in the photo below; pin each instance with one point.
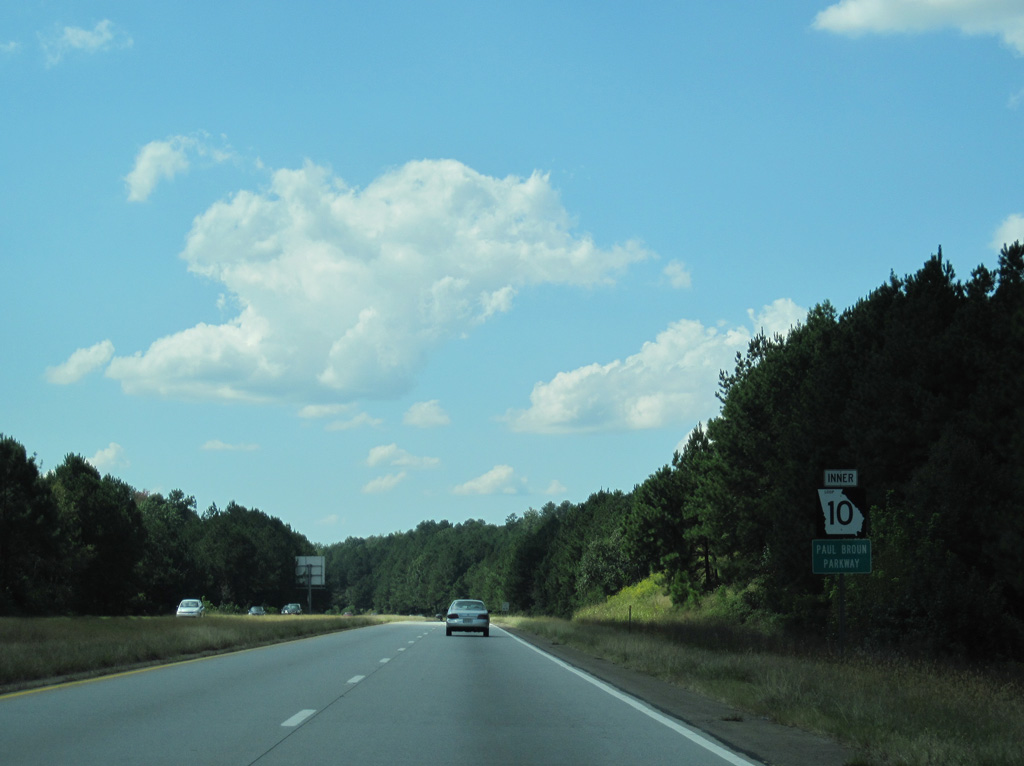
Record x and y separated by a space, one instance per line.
846 551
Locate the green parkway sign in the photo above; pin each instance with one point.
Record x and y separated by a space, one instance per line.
841 556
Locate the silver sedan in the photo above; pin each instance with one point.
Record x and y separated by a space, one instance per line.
191 607
468 616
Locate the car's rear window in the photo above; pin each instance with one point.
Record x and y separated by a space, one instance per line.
470 605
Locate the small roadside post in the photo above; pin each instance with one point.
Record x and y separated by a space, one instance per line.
846 548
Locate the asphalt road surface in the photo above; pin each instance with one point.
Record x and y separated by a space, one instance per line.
400 693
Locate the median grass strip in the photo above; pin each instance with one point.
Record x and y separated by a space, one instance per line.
892 710
39 650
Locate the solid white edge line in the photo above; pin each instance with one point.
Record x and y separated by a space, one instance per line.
298 718
690 734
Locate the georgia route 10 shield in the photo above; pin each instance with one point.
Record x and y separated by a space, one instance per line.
842 512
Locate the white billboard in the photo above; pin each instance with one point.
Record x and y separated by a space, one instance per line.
309 571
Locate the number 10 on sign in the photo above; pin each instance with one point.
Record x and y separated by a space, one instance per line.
842 516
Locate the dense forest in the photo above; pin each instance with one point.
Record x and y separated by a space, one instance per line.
918 386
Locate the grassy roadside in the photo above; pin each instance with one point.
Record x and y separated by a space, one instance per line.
36 651
893 711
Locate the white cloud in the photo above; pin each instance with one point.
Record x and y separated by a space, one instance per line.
104 36
498 480
81 363
555 488
1002 18
156 160
324 410
677 274
383 483
497 302
109 458
163 160
355 418
672 380
10 48
225 362
426 415
346 293
392 454
777 318
217 445
358 421
1010 230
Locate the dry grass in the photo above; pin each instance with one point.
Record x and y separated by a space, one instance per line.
39 650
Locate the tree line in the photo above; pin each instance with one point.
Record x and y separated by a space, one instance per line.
918 386
75 542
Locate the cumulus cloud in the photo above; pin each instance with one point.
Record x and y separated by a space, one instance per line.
392 454
81 363
104 36
357 421
1010 230
555 488
672 380
323 410
678 275
498 480
426 415
344 293
383 483
1002 18
163 160
353 418
110 457
777 318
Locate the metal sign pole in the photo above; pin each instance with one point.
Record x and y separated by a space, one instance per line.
842 615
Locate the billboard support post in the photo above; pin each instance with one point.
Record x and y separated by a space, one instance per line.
310 573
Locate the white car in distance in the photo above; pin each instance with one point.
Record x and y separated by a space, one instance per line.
191 607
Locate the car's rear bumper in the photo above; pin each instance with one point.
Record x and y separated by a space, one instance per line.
476 626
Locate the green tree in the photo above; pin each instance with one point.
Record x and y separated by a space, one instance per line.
249 556
30 547
170 567
105 537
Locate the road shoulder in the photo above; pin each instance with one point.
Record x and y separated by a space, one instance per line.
764 740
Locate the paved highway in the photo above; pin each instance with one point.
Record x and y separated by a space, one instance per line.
400 693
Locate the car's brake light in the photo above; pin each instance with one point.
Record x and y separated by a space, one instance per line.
453 616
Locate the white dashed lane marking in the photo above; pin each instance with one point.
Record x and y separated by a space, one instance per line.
298 718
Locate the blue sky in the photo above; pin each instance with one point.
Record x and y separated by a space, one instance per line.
360 265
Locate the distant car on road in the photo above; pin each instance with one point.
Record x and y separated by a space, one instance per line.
467 616
291 609
191 607
257 611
